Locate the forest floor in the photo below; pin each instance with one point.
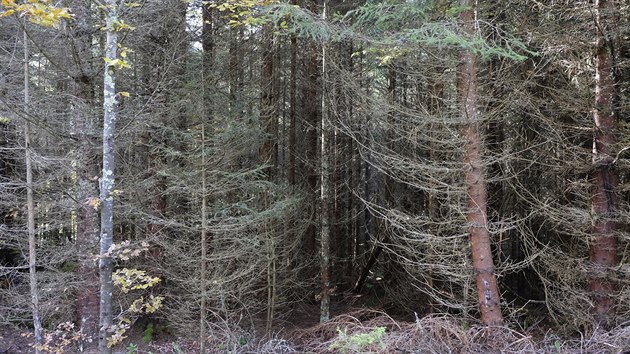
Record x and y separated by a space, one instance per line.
361 331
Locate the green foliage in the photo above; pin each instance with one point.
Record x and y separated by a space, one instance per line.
447 35
242 340
149 331
69 267
294 20
396 27
176 348
242 12
382 18
430 25
358 343
132 348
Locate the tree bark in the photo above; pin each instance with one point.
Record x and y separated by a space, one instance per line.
309 127
476 215
604 200
208 41
269 120
87 238
204 220
208 47
325 190
292 108
30 206
110 103
235 74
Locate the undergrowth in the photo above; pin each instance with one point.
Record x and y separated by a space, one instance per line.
367 331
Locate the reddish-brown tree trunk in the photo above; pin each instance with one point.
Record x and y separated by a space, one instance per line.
483 265
604 201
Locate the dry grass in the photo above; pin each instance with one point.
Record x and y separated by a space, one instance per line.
430 334
444 334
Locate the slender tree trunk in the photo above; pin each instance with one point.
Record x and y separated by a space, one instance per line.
309 126
360 233
269 155
269 149
207 42
292 108
272 274
207 73
604 200
376 252
235 74
110 103
476 215
30 206
204 250
324 194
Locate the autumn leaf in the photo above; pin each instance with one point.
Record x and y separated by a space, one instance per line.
94 202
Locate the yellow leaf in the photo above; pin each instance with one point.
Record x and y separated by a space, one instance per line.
94 202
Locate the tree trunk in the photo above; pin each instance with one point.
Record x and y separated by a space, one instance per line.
30 206
87 238
208 41
204 251
604 200
207 111
235 74
324 195
269 120
476 215
309 126
292 109
110 103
